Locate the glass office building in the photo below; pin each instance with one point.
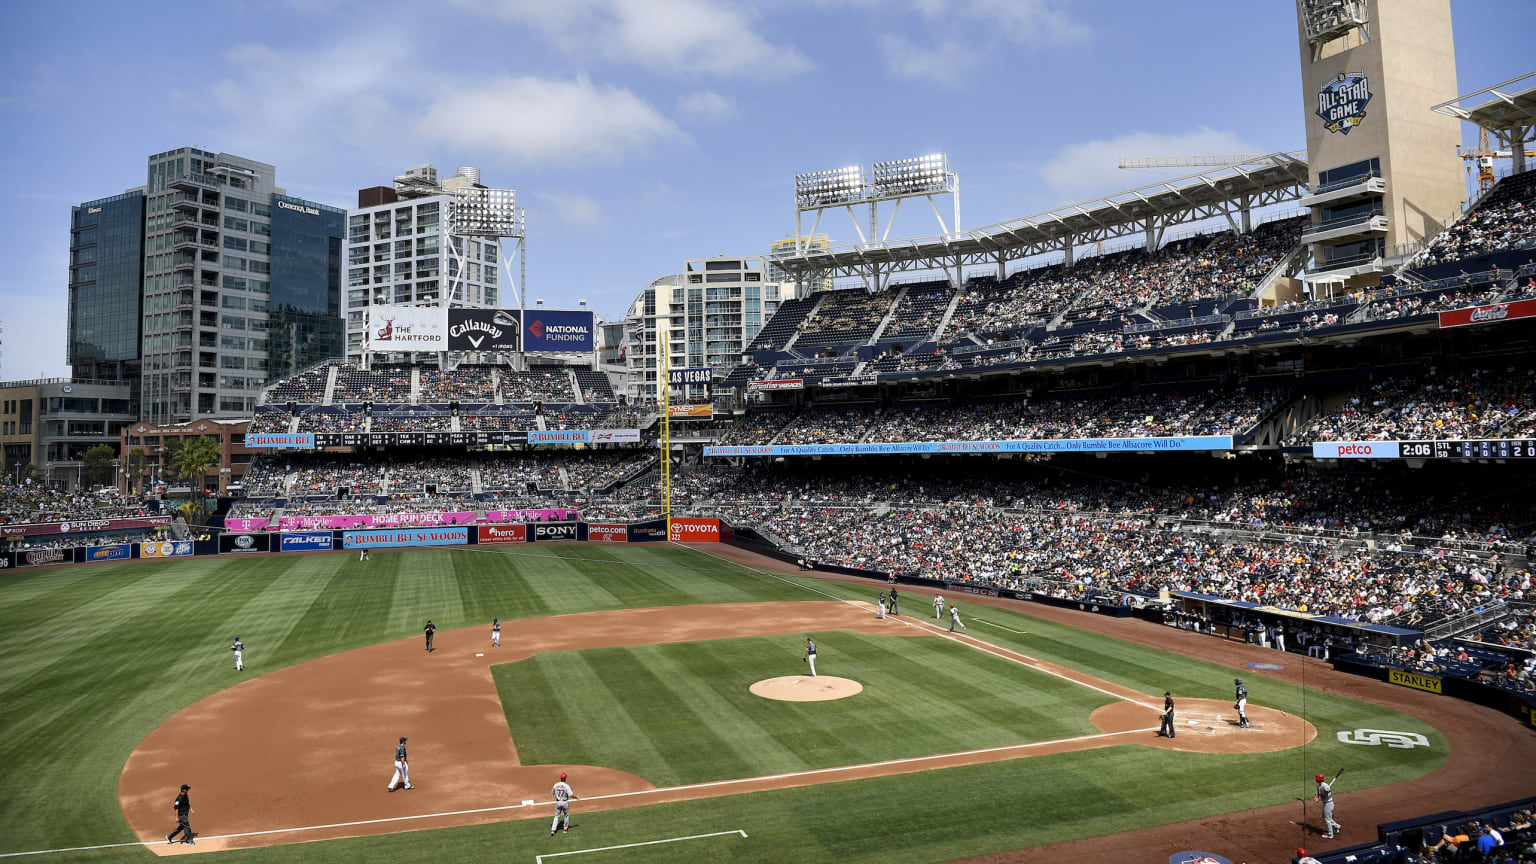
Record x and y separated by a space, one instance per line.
106 273
304 324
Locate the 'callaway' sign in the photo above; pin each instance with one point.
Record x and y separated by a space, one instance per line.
482 330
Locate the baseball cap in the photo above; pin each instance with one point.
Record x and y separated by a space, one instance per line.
185 787
402 739
562 775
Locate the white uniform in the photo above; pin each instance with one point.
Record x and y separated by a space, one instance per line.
810 656
881 613
563 795
1325 795
954 619
496 634
1279 637
402 769
938 607
239 649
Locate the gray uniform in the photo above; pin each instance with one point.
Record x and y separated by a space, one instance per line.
563 795
1242 703
1325 796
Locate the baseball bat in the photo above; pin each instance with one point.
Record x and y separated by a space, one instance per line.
1337 776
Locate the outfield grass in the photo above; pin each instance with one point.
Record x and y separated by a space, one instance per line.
93 658
682 713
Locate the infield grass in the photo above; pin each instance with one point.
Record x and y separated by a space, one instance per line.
92 658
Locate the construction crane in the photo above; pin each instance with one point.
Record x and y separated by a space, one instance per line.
1482 157
1204 161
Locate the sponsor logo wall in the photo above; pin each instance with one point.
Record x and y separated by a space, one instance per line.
1488 314
696 530
49 556
1354 450
247 524
115 552
280 440
165 549
82 526
549 531
557 330
555 515
407 328
585 436
305 541
502 534
230 543
1064 445
1427 683
374 520
482 329
608 533
648 532
677 411
377 538
689 376
776 384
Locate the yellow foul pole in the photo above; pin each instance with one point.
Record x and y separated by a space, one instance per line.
665 390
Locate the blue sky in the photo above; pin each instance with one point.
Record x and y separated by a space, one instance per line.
638 132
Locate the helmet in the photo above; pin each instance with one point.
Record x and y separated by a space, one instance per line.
562 776
1237 680
402 739
1318 777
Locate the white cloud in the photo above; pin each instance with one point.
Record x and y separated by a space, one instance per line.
544 120
677 37
959 35
1092 167
573 209
706 105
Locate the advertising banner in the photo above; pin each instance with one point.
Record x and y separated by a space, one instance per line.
615 436
114 552
407 328
280 440
305 541
608 533
677 377
778 384
482 329
230 542
558 330
165 549
695 530
503 534
677 412
342 522
560 436
49 556
1427 683
542 532
1062 445
7 561
80 526
247 523
648 532
375 539
1488 314
1354 450
555 515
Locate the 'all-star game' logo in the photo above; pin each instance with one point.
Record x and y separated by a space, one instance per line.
1341 102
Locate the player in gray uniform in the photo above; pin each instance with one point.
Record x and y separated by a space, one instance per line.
239 649
1242 703
495 632
402 767
810 655
1324 796
563 795
1166 728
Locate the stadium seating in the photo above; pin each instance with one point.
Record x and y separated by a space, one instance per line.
1503 221
1434 405
782 326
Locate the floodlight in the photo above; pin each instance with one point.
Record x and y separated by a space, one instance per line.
917 175
485 213
835 186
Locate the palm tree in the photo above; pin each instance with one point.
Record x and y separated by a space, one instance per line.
135 464
191 461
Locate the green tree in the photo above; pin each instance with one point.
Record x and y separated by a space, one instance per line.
135 464
96 466
191 461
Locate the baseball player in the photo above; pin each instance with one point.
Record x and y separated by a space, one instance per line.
954 618
402 767
183 806
1166 729
881 613
239 649
938 607
362 554
495 632
1324 796
810 655
1242 703
1280 637
895 610
563 795
429 630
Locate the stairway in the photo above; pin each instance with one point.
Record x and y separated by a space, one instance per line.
949 313
890 314
330 384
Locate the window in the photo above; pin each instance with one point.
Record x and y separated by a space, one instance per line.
234 224
238 205
231 302
232 322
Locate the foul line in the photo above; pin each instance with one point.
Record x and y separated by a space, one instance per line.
1027 662
616 795
540 858
1000 627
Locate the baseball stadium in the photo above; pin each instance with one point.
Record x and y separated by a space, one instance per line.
1190 524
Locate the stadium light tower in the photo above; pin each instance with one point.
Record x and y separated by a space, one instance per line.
488 214
895 180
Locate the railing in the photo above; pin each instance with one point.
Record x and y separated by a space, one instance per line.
1183 322
1466 622
1356 180
1348 261
1362 219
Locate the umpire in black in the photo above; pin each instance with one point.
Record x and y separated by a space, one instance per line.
182 806
1166 730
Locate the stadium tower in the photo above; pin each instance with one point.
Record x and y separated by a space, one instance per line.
1383 166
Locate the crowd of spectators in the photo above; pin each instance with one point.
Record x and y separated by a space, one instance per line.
464 384
412 421
33 502
1505 220
385 384
539 384
1436 405
271 421
327 421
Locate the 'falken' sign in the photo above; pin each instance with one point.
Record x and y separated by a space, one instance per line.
1488 314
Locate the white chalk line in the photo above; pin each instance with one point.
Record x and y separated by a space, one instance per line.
1000 627
1027 662
540 858
713 784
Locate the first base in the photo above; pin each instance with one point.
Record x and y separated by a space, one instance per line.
479 655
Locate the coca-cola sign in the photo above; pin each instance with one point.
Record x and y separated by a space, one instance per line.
1488 314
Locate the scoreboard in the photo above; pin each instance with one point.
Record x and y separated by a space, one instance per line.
1502 448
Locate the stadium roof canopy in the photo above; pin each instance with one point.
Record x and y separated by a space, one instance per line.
1499 108
1232 192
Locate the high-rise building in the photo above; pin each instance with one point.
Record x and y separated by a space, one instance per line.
400 250
711 311
106 279
808 243
202 285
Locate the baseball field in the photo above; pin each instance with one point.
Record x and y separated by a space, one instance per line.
631 668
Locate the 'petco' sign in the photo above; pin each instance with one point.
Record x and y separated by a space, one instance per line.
1354 450
695 531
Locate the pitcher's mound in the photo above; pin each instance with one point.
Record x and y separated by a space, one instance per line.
804 688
